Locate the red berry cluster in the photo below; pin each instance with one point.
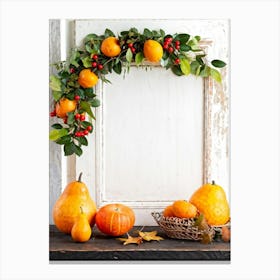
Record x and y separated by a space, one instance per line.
95 63
132 48
53 113
171 46
84 132
80 117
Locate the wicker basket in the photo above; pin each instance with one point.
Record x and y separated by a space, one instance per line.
181 228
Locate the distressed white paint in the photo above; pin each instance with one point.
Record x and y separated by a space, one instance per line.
106 179
55 159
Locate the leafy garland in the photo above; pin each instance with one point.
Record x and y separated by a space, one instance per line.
181 54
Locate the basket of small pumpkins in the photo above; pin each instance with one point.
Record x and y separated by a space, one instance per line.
202 218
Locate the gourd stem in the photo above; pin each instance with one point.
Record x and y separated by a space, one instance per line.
82 212
213 182
80 177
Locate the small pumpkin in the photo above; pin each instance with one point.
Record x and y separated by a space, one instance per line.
67 207
115 219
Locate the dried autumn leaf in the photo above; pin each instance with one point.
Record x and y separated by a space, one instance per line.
206 238
131 240
150 235
201 223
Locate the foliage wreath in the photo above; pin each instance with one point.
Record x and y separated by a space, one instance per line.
179 52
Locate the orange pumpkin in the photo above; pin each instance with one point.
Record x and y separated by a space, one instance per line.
115 219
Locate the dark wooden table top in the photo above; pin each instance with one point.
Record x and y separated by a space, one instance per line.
101 247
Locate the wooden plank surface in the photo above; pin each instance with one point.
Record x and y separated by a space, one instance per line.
101 247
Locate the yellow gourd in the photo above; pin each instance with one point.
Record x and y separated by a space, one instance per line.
210 200
67 207
81 230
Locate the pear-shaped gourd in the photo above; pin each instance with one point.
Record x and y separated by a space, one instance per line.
81 230
67 207
210 200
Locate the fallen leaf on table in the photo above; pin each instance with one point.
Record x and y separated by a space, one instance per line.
206 238
150 235
201 223
131 240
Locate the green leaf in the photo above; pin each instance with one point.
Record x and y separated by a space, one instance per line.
73 58
183 38
84 105
139 58
57 126
162 32
109 33
69 149
86 61
185 48
64 140
95 102
199 60
218 63
70 118
55 83
90 37
56 95
118 67
77 150
195 67
205 72
177 70
57 133
185 66
89 92
198 38
129 55
147 33
83 141
85 124
215 75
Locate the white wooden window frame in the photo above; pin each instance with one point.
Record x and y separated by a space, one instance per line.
216 127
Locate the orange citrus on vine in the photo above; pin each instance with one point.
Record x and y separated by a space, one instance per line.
87 78
110 47
153 50
65 106
184 209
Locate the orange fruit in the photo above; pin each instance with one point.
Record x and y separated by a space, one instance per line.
87 78
153 51
184 209
65 106
168 212
210 200
110 47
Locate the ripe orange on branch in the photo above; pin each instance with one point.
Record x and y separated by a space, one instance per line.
153 50
65 106
110 47
87 78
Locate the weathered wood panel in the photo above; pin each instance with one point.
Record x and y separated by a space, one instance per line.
55 176
102 247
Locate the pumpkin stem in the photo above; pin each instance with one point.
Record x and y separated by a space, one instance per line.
82 212
80 177
213 182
